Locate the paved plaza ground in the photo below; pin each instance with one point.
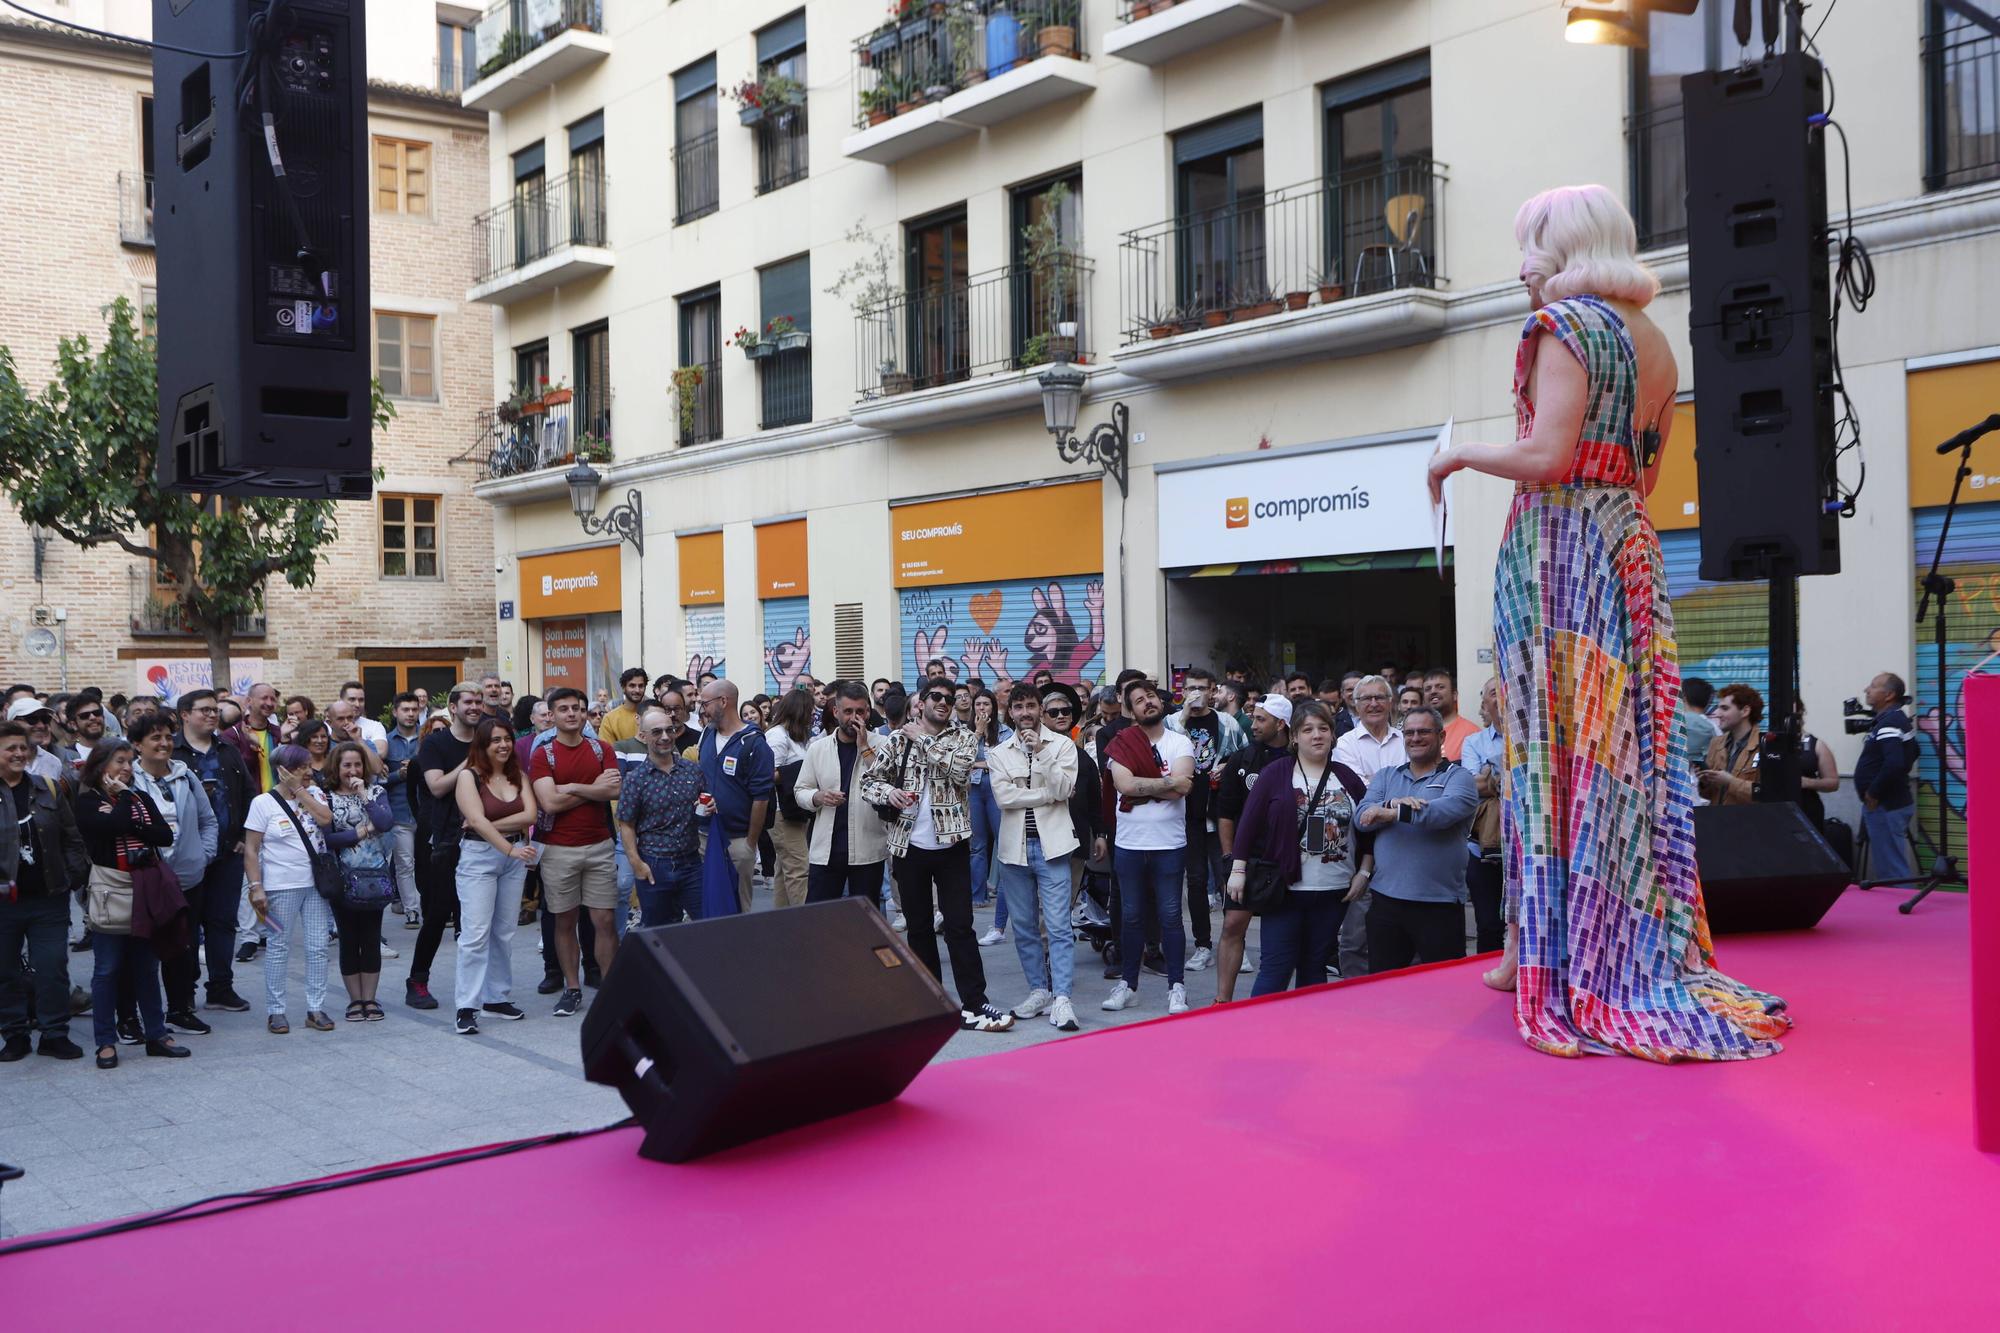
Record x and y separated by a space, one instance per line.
252 1110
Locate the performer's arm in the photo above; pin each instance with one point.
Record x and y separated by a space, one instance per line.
1560 391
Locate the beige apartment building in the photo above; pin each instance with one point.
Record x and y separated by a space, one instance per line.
1276 233
403 597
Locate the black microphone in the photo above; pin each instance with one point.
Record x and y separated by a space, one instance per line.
1969 434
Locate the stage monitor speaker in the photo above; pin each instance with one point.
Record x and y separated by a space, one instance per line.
1764 867
723 1031
263 316
1760 318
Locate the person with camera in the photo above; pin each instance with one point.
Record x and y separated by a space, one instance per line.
1882 779
124 832
284 831
41 858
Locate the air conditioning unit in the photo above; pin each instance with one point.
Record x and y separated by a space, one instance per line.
44 616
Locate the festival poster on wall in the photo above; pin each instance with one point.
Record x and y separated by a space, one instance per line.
703 636
565 655
1010 628
171 677
787 642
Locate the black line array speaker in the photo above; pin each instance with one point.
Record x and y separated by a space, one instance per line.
1760 307
263 267
719 1032
1764 866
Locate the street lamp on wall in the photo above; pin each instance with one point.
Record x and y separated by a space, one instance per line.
1108 444
625 521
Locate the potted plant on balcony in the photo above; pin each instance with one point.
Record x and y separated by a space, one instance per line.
1215 317
877 105
1057 35
687 382
757 98
554 396
1255 301
965 33
1328 285
1052 268
784 333
894 381
1166 321
592 448
752 343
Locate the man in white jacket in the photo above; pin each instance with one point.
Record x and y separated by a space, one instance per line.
1033 772
849 840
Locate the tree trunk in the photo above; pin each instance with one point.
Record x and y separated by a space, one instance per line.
216 635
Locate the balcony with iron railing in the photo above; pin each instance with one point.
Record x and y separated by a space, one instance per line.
157 613
784 388
547 235
525 46
526 434
1152 32
1961 63
135 207
937 72
960 351
698 397
1331 267
782 146
1658 168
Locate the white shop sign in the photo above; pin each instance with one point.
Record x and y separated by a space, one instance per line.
1294 504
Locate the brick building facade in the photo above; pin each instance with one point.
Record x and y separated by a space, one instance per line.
396 601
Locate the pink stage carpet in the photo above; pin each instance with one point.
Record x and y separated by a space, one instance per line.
1382 1152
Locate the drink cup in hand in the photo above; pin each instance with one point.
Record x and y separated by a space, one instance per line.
704 805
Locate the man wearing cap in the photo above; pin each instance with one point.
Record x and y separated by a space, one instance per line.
40 720
1270 739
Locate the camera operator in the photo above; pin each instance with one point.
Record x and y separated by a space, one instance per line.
1882 778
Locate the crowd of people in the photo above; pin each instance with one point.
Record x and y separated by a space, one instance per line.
1357 817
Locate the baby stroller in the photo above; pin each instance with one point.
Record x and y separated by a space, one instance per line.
1092 914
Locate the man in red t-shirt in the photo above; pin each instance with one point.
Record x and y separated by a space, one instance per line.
576 780
1441 693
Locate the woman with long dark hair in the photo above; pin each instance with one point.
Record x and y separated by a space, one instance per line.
985 810
790 732
1612 938
123 830
315 737
494 854
361 815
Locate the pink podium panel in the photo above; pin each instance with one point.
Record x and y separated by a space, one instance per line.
1982 827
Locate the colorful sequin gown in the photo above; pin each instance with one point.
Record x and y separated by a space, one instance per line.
1614 945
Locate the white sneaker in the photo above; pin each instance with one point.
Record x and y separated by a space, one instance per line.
992 937
1062 1015
900 923
1035 1005
388 952
1214 901
937 920
1200 959
1246 967
1177 999
1122 997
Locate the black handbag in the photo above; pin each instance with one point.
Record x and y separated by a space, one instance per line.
889 813
789 808
327 878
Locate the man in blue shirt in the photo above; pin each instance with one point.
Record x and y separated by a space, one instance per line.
1421 811
1882 779
401 752
737 770
1485 758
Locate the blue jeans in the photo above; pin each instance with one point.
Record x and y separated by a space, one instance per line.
673 896
1300 940
113 955
1888 845
985 824
304 919
1150 881
1038 892
489 908
627 882
43 925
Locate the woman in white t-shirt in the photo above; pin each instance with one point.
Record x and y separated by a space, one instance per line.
1300 817
277 858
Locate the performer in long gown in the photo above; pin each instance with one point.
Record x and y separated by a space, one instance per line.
1608 926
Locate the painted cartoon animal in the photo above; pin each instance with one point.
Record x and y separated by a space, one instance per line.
789 659
1051 636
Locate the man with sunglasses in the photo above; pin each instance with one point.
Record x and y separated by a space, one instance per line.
86 725
925 772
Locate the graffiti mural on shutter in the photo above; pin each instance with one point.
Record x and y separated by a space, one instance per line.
703 637
1723 629
1972 558
787 642
1011 627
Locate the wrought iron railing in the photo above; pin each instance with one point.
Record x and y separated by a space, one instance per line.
1131 11
569 210
784 388
1007 319
1961 62
701 412
1314 243
781 148
515 438
941 48
1659 175
513 28
697 186
156 611
135 207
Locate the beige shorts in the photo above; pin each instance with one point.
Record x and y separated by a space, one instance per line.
570 875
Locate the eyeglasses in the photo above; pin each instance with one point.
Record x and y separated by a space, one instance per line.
83 713
1418 731
937 697
1058 712
659 731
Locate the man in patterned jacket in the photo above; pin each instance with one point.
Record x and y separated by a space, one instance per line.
925 772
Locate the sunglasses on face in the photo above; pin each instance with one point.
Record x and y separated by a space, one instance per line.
659 731
937 697
84 715
1057 712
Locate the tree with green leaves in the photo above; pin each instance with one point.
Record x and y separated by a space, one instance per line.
78 458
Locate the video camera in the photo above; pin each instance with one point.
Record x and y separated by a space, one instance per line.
1855 716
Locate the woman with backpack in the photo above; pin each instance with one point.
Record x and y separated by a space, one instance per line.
124 832
283 833
498 807
361 815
